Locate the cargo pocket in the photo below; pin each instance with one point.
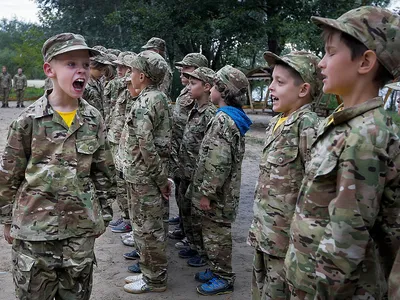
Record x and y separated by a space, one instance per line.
86 149
22 270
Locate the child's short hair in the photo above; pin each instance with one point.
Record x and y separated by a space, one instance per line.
374 27
233 85
303 67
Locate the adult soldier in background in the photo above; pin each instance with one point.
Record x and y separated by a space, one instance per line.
20 83
180 113
5 85
158 45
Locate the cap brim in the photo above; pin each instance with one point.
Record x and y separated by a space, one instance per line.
92 52
191 74
272 58
319 21
394 86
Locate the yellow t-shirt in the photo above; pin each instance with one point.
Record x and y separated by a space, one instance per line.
280 122
68 117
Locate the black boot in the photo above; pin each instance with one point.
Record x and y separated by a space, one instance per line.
22 105
17 105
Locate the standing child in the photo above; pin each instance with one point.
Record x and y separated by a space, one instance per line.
345 232
200 84
296 82
216 182
145 149
56 177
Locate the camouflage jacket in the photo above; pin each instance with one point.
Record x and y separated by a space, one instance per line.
394 279
146 139
20 82
281 171
94 95
196 126
219 169
5 81
166 84
56 182
111 93
180 112
348 207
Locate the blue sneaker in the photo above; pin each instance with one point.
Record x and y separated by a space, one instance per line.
196 261
135 268
215 286
174 221
187 253
122 228
204 276
132 255
115 223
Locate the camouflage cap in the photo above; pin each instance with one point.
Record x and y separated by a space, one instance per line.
304 63
203 73
155 43
100 48
233 78
121 61
394 86
115 52
376 28
193 60
63 43
102 58
152 64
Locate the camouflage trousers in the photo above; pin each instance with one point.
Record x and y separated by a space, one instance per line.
47 270
217 241
147 211
268 280
122 192
4 95
20 96
179 200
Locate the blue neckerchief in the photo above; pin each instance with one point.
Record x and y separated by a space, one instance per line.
240 118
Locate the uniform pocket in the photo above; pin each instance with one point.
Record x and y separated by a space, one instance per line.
85 148
88 146
22 268
283 156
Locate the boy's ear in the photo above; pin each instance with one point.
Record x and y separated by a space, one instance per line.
305 90
207 87
368 62
48 70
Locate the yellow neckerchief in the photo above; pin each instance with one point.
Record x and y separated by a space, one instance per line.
330 121
68 117
280 122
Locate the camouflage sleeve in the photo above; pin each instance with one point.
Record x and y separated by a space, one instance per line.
12 166
103 174
308 133
15 81
217 157
145 125
25 82
353 213
166 84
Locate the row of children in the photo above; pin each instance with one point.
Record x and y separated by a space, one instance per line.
326 199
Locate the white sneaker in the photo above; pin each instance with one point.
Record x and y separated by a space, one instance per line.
133 278
129 242
183 244
140 286
127 235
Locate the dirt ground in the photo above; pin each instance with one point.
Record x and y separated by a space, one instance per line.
112 267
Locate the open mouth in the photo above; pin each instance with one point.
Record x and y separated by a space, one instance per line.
79 84
274 99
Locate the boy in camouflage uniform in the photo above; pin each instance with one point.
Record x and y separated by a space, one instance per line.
345 232
5 86
20 84
296 82
180 112
200 84
216 182
56 179
145 148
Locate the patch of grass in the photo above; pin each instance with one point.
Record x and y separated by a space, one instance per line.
31 93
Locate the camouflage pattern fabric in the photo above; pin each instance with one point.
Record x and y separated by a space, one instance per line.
153 65
394 279
202 73
217 239
4 93
20 97
146 211
20 82
304 63
345 231
65 42
268 280
196 60
48 84
45 160
218 173
111 91
5 87
155 43
146 139
166 84
377 28
282 162
59 269
180 113
94 95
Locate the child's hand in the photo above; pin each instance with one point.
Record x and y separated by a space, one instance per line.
166 192
205 203
7 235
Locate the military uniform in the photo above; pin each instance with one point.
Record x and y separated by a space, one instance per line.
94 95
5 85
111 92
345 231
20 83
394 279
286 150
145 148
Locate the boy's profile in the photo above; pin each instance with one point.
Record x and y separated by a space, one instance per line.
56 179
